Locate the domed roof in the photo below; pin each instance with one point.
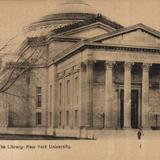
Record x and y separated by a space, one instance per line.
67 16
68 12
60 19
72 6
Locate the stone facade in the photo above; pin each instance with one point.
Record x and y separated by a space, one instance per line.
94 74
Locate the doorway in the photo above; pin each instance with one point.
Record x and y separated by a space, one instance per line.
134 108
121 108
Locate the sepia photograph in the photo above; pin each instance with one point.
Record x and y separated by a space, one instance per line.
80 79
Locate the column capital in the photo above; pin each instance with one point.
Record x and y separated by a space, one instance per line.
128 65
109 64
146 66
86 63
83 65
89 62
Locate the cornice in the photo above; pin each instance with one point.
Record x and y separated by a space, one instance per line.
126 30
81 46
124 47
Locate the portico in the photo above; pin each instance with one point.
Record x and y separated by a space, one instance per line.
125 83
131 91
128 97
130 94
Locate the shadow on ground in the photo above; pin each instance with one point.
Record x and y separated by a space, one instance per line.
36 137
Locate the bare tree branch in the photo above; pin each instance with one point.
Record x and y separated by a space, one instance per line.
6 86
7 43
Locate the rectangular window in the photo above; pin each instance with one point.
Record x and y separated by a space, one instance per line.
60 118
38 96
60 94
67 118
76 118
50 119
76 90
68 92
38 118
50 95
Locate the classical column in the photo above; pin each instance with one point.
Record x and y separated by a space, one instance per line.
145 94
83 120
108 93
90 65
63 101
54 97
127 94
72 98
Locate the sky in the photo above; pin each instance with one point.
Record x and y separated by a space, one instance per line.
16 14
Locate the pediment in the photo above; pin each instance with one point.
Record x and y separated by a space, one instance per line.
138 35
89 31
57 47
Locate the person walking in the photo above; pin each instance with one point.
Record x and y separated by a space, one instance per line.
139 135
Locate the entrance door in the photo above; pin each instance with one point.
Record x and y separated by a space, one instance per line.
121 108
134 109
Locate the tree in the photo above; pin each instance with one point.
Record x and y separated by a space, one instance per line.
21 70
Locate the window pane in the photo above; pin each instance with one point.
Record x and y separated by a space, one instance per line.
39 90
60 94
50 119
68 92
38 118
38 96
38 100
76 118
67 118
60 118
76 90
51 96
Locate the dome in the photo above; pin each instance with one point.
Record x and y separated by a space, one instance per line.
67 12
54 21
72 6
